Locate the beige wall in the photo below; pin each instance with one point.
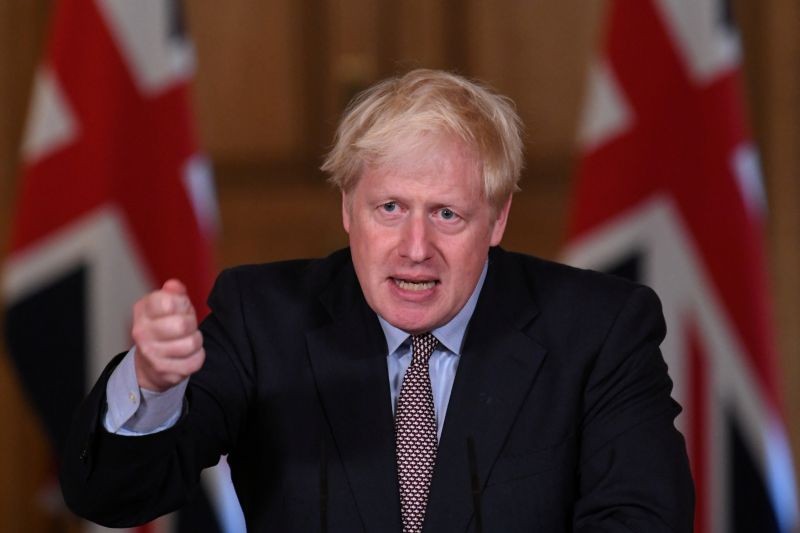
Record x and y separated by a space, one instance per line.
25 464
274 74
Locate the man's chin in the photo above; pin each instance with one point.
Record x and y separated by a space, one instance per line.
412 324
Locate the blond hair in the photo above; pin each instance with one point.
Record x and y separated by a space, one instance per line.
424 102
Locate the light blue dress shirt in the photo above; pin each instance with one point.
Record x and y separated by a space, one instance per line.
134 412
444 360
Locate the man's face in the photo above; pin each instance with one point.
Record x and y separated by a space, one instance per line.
420 230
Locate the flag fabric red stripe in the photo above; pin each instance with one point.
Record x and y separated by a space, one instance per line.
114 197
131 152
687 131
668 172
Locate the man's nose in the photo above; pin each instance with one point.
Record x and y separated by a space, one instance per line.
416 242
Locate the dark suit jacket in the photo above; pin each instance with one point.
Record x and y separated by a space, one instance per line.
560 384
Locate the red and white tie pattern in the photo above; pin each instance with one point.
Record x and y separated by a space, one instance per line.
415 431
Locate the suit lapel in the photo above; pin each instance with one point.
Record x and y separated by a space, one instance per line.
497 368
348 359
498 365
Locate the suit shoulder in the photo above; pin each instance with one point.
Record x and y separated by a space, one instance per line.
285 280
574 303
554 283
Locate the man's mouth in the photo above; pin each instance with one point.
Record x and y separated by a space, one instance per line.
409 285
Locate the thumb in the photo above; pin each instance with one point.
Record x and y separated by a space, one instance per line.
174 286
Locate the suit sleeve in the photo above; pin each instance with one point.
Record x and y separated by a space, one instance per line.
123 481
634 472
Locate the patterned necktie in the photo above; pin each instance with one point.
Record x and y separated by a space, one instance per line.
415 431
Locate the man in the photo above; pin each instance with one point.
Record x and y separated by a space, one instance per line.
539 403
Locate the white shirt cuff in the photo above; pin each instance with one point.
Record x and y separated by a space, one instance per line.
132 411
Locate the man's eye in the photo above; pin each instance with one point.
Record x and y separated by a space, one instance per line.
447 214
390 207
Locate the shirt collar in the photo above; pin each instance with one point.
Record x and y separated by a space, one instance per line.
450 335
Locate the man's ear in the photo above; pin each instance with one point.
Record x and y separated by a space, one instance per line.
500 222
346 212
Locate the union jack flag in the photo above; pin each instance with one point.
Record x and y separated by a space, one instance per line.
669 193
114 198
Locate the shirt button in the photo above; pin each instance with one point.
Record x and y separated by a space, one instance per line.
132 397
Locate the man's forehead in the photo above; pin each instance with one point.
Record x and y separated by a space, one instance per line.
421 179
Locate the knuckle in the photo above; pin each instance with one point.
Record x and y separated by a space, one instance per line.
141 330
197 340
190 345
156 356
137 331
188 324
145 349
149 306
180 348
170 327
196 362
161 367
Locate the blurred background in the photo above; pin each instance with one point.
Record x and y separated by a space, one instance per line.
270 80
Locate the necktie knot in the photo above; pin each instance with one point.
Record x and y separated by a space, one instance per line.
422 347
